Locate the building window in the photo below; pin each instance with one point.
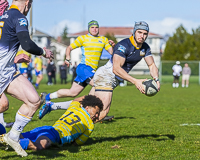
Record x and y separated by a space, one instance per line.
39 39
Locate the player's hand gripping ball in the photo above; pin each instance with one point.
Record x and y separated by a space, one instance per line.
150 87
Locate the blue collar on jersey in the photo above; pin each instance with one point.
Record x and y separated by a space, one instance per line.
14 7
85 111
132 41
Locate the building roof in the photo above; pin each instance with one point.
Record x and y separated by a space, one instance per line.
39 33
117 31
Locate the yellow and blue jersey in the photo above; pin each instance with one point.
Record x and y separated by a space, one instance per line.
92 48
23 64
74 125
38 63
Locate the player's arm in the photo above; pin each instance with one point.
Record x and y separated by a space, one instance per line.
110 50
118 62
79 99
68 51
153 69
29 46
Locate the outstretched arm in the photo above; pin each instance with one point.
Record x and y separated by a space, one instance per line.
118 62
153 69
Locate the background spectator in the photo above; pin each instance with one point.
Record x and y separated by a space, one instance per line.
177 69
186 75
63 73
74 72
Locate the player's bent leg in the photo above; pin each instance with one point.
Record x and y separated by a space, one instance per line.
23 90
106 98
72 92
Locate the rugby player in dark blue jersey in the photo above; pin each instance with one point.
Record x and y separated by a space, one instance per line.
126 54
14 32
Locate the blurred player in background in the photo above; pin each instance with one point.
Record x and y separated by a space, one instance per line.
177 69
92 46
38 70
74 126
14 32
23 67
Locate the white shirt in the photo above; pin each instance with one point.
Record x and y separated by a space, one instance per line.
177 70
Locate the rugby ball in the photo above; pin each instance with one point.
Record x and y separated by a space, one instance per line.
150 87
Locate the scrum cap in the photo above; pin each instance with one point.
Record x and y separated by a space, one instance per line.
3 6
92 23
140 25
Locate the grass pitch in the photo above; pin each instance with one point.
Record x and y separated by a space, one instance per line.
163 127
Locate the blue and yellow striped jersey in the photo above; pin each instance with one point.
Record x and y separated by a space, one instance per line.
92 48
23 64
74 125
38 62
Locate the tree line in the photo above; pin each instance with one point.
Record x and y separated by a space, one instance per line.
183 45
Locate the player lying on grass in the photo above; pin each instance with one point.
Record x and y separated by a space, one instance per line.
74 126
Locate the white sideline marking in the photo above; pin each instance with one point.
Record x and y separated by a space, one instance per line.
186 124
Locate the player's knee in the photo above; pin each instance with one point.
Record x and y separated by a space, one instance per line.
35 104
4 106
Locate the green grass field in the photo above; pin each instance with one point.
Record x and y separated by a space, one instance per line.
144 128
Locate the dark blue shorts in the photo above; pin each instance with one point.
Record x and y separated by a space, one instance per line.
84 74
47 131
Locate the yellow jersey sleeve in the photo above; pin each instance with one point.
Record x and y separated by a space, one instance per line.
78 42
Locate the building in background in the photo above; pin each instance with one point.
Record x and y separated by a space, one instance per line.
155 41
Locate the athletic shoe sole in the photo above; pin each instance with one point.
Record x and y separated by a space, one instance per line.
5 139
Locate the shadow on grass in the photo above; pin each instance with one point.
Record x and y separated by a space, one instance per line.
154 136
51 153
116 118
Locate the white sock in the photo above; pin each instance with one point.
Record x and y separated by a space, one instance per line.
2 120
54 95
186 85
183 85
177 85
20 122
61 105
174 85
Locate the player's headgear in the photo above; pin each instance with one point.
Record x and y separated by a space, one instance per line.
92 23
178 62
140 25
3 6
